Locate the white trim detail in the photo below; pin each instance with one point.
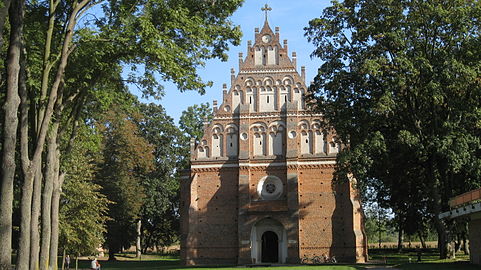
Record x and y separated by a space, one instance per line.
247 116
273 164
462 211
260 71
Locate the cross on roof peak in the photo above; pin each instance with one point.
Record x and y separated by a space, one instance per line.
266 9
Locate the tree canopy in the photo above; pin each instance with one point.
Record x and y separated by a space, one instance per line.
400 85
62 60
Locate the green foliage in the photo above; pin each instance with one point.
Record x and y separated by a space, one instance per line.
169 38
192 120
400 83
127 160
160 218
83 211
191 124
378 225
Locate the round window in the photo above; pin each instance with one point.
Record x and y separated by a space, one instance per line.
269 188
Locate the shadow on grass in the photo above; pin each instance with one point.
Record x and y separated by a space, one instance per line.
408 259
393 259
175 265
440 266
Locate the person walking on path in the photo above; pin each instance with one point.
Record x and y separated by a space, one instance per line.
67 262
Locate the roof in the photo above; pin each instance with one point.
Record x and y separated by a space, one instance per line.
465 198
464 204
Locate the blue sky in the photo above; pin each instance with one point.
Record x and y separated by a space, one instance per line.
290 15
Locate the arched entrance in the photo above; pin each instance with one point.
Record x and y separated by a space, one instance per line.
268 242
270 247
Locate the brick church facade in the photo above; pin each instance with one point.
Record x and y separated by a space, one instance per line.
260 186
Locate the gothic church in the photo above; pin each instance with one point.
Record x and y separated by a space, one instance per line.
260 186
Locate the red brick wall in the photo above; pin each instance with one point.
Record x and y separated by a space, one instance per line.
317 213
326 220
213 221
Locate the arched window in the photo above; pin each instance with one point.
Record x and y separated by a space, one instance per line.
306 142
217 143
232 142
201 153
320 144
259 144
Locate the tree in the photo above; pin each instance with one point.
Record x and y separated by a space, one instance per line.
83 210
166 38
127 160
191 124
378 225
192 120
160 217
400 84
11 105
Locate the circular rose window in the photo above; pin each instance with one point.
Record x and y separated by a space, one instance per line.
269 188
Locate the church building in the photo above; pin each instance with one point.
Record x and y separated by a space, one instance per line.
260 186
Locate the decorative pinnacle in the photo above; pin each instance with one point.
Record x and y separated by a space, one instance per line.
266 9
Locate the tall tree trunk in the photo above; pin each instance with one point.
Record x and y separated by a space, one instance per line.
379 226
436 205
465 239
57 191
50 174
24 109
35 233
58 179
23 254
138 247
466 247
10 132
458 243
63 259
421 238
400 239
442 238
113 247
47 62
43 126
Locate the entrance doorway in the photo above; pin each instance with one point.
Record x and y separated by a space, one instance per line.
270 247
268 242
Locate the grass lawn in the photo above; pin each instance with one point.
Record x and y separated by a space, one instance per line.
429 260
393 260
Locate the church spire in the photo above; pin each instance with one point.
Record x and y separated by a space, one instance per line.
266 9
266 28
